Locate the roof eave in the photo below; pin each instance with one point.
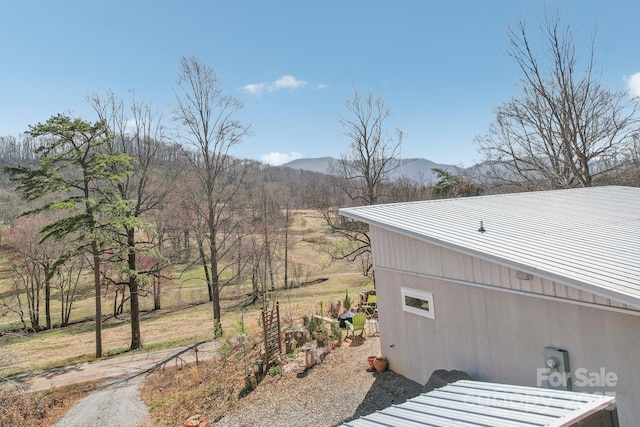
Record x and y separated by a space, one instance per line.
616 296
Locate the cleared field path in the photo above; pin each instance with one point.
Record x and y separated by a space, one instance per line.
122 367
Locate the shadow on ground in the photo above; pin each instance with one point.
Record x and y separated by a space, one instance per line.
388 389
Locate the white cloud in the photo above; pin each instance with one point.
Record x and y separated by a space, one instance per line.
633 84
277 159
285 82
255 88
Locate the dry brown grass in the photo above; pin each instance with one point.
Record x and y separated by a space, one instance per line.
173 394
43 408
211 387
181 323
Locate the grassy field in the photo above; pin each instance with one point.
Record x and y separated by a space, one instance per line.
186 316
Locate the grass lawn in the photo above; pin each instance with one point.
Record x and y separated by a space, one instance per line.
186 317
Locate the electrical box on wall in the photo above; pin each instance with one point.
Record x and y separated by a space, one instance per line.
556 362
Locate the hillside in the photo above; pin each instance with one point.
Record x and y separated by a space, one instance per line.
418 170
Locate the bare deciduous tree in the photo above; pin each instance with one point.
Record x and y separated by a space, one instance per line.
362 172
564 129
68 277
372 156
211 130
136 130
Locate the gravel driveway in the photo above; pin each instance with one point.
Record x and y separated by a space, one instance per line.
115 404
335 391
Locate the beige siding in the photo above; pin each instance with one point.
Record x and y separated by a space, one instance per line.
499 336
402 253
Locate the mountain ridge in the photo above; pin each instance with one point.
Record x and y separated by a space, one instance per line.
415 169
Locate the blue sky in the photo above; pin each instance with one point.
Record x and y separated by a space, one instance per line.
440 66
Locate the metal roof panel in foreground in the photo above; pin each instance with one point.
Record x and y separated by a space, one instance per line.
475 403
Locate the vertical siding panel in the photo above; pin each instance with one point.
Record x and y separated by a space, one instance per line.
525 285
399 252
561 291
378 245
505 277
515 282
508 276
398 241
573 293
587 297
398 244
548 287
411 256
406 263
436 266
487 273
420 257
617 304
477 271
451 264
469 269
536 285
428 258
393 249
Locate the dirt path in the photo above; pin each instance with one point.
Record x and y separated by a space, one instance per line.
129 367
116 401
115 404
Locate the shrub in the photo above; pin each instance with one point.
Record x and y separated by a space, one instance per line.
312 326
347 301
334 309
275 370
336 332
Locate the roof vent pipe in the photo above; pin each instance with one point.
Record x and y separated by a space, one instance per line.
481 229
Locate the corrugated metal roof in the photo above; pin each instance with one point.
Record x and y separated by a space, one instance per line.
587 238
474 403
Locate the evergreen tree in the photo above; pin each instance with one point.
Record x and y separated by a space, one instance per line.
71 176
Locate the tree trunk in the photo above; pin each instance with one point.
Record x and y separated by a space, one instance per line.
47 300
156 293
286 249
215 291
207 276
65 308
269 266
134 303
34 315
96 282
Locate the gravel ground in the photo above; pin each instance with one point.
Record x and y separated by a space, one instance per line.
337 390
332 392
115 404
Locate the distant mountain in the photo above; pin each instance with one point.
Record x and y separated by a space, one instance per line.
419 170
318 164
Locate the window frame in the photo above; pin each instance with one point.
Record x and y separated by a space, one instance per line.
421 295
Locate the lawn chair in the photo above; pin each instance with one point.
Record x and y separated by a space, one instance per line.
370 306
356 323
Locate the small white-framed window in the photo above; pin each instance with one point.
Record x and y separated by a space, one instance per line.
417 302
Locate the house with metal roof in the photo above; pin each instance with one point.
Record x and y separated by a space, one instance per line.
536 289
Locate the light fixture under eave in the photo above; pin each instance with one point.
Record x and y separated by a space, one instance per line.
481 229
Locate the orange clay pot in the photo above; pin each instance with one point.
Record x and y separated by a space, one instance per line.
380 363
370 360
